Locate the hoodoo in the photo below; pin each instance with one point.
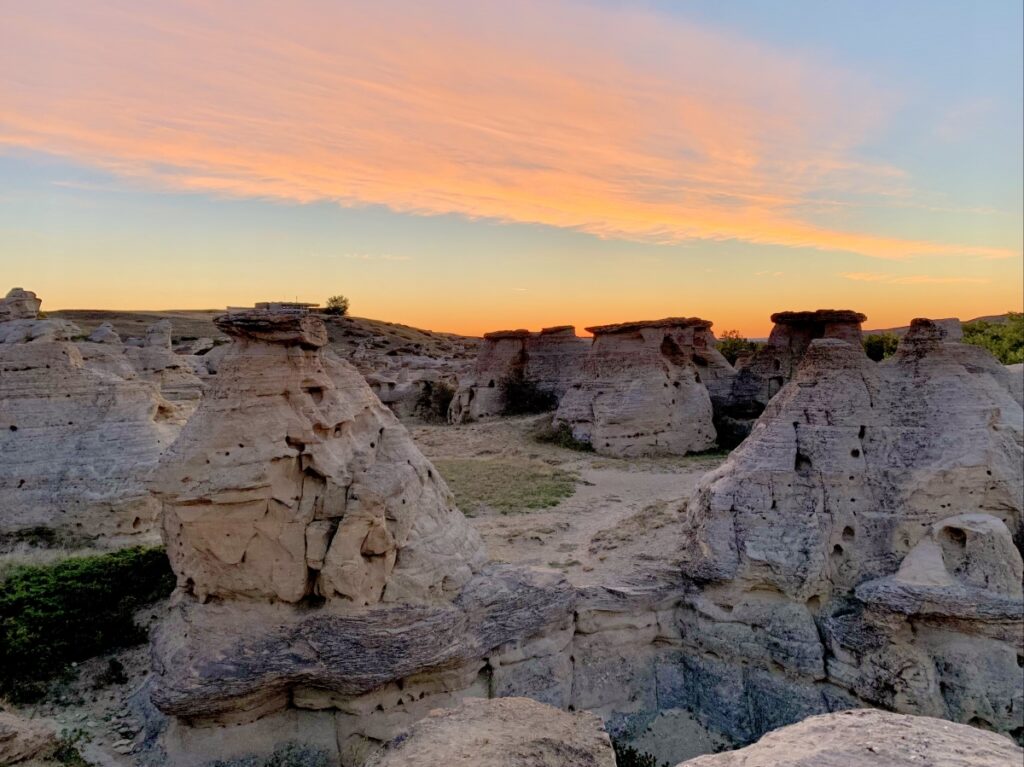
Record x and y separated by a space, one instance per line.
859 542
326 580
645 388
550 360
762 375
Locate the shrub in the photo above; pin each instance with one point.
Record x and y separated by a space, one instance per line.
337 306
627 756
432 404
521 396
54 615
1004 340
878 346
731 344
562 436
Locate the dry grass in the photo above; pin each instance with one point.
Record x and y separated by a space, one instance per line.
505 486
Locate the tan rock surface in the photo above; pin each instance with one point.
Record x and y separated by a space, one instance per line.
871 738
506 732
643 389
22 739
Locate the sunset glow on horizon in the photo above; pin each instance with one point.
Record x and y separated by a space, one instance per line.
465 166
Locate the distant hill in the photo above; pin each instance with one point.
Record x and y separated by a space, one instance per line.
347 334
998 319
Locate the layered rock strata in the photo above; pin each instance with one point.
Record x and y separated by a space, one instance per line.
857 547
763 374
77 441
550 359
328 585
645 389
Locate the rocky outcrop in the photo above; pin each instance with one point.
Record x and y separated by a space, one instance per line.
77 442
23 739
644 389
510 732
174 374
325 575
763 374
871 738
857 546
19 304
550 359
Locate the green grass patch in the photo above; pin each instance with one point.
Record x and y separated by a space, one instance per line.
504 485
57 614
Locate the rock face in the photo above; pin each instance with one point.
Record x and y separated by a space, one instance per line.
762 375
644 389
348 592
509 732
858 545
871 738
174 374
550 359
19 304
77 442
21 739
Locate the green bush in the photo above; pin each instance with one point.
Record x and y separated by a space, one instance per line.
878 346
521 396
55 615
627 756
562 436
337 306
1004 340
432 404
731 344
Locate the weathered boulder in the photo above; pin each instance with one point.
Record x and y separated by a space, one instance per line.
644 388
326 578
77 442
550 359
861 536
507 732
174 374
871 738
767 370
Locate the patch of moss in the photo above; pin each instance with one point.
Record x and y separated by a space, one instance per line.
507 486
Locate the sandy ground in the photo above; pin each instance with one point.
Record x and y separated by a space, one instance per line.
621 516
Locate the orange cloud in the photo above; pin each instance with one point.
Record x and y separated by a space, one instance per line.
617 123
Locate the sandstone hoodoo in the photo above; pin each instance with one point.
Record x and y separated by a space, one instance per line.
645 388
857 547
549 360
77 441
326 579
764 373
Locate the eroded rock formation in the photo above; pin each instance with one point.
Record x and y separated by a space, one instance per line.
77 441
644 388
344 590
871 738
857 546
763 374
510 732
550 359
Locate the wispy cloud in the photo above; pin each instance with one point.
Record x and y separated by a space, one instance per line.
913 279
616 122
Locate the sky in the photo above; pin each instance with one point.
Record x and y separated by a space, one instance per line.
467 165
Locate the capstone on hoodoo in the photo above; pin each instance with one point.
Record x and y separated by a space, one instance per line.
322 555
858 546
645 388
550 360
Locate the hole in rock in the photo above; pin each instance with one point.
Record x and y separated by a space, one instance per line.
848 533
855 453
956 536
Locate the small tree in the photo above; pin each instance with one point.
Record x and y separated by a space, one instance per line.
878 346
731 344
337 306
